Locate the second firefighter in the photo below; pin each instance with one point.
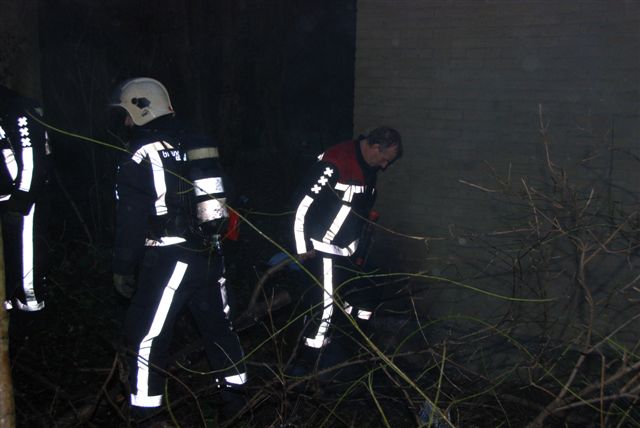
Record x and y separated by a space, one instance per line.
167 231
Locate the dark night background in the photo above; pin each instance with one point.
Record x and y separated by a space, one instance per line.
273 81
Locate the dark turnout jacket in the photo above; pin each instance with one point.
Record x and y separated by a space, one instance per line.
334 201
163 198
24 145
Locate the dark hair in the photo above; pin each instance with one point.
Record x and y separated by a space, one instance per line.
386 137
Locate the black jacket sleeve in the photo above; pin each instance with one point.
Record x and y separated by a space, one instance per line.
133 207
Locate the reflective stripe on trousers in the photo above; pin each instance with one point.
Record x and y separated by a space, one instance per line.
30 303
320 338
142 397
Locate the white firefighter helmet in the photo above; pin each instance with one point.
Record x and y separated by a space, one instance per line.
145 99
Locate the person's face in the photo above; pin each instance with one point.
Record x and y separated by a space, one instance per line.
379 158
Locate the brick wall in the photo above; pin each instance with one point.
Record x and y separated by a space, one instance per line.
465 83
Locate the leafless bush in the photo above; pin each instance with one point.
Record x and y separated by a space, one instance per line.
576 356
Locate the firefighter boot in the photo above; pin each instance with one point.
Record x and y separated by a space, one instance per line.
232 400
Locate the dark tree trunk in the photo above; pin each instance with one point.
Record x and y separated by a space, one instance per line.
7 404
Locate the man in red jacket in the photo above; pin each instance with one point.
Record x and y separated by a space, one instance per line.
333 207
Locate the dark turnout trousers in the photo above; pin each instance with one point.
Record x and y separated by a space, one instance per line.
24 277
337 276
171 278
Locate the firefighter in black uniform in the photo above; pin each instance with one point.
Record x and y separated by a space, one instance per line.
23 176
168 229
333 206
